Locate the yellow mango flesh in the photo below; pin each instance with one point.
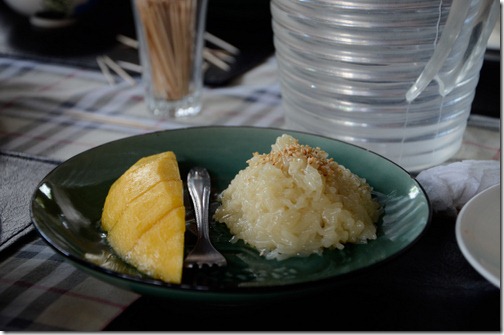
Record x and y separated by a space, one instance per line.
144 212
154 247
140 177
144 217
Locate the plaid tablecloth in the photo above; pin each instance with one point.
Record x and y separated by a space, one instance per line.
56 112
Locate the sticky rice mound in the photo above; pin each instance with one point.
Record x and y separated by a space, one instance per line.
295 201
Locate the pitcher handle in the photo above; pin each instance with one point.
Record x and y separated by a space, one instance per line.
448 81
456 19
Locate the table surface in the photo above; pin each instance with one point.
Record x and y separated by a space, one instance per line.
50 112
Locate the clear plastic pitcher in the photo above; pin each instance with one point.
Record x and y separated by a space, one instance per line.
397 77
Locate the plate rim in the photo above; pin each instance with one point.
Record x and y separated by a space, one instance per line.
238 292
464 246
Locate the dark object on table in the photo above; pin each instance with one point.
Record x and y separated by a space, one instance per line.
487 100
19 177
244 24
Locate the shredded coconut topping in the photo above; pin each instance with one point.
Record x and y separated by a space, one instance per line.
295 200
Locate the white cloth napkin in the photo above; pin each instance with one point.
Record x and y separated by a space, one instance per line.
450 186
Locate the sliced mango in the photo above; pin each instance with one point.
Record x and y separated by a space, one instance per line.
141 176
144 212
157 252
144 217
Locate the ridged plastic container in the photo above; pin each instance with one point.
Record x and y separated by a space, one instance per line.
345 68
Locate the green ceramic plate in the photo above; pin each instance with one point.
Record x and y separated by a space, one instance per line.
67 206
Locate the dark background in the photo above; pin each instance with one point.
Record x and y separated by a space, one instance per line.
245 24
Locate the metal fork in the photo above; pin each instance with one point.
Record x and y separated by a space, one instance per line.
204 253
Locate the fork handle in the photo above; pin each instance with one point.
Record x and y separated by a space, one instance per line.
198 183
